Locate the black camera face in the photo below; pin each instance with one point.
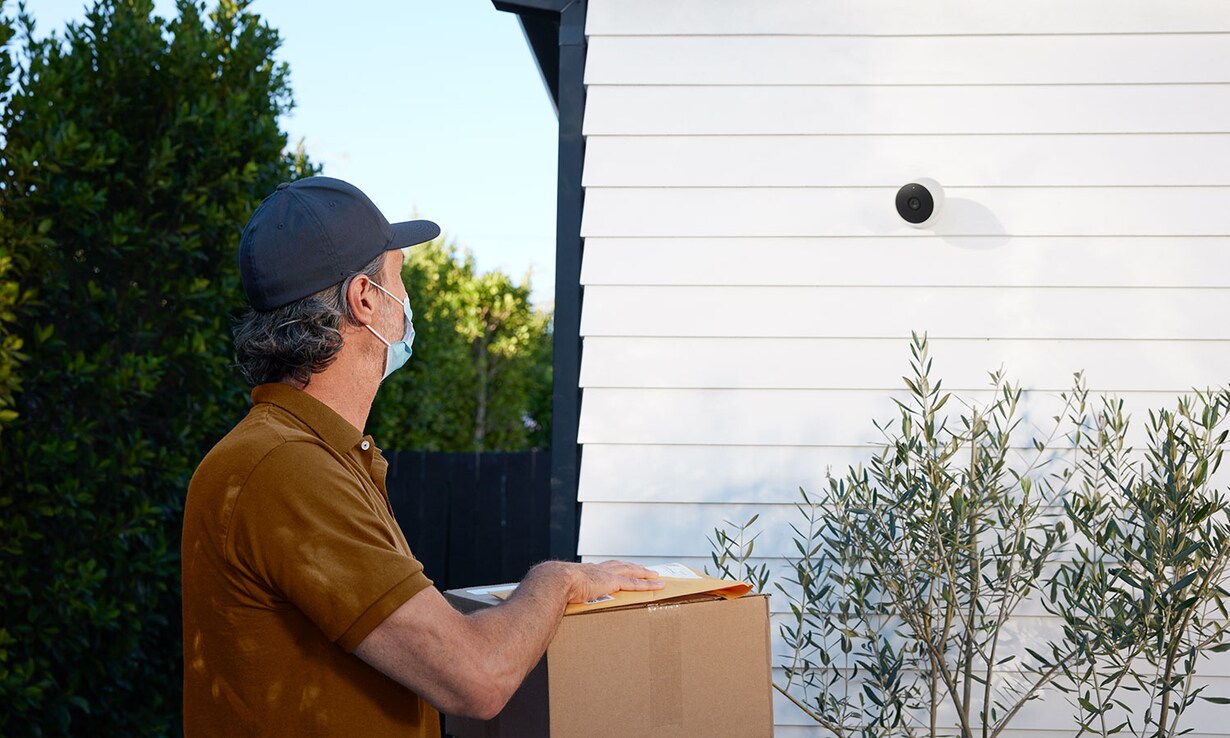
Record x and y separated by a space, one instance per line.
915 203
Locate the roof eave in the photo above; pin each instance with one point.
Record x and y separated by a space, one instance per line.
540 22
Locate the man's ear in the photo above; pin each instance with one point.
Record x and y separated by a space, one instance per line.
362 295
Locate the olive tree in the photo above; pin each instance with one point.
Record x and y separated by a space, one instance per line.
910 572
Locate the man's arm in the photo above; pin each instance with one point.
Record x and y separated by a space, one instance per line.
470 665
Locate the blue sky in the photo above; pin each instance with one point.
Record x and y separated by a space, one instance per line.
432 107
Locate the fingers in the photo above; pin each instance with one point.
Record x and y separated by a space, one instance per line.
632 577
626 569
630 584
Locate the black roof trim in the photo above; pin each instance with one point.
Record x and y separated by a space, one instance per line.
542 35
540 22
520 6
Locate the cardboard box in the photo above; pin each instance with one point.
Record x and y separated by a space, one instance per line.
692 666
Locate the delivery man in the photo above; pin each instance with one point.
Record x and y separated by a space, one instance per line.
304 611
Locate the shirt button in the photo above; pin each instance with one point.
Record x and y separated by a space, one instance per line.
365 445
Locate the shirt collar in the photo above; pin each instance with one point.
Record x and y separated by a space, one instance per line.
323 420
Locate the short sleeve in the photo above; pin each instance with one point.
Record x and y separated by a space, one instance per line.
307 528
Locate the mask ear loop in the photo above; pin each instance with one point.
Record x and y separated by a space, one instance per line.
377 335
390 294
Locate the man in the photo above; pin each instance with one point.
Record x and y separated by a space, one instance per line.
305 612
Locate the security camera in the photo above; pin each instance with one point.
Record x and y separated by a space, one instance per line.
919 202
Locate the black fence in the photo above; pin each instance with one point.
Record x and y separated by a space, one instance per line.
472 518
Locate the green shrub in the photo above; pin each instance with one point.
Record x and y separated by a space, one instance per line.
12 243
480 377
909 570
135 149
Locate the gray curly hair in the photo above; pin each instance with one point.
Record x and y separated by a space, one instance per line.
297 340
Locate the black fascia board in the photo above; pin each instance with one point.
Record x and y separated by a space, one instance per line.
555 30
542 35
540 22
522 6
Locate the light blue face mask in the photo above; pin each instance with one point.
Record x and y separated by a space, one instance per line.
398 352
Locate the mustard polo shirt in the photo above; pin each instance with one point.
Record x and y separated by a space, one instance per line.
291 557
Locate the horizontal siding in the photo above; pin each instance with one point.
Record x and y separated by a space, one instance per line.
1049 716
914 60
901 17
870 211
668 531
680 473
810 730
647 474
802 363
707 474
905 110
680 531
925 261
780 602
893 312
1030 630
878 161
780 417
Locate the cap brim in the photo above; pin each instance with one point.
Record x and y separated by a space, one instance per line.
412 233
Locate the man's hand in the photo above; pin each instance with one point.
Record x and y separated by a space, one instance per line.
591 581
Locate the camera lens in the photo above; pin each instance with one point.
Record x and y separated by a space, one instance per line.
915 204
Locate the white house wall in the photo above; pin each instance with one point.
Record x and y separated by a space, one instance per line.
905 110
750 291
899 17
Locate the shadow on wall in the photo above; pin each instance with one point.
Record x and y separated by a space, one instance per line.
967 224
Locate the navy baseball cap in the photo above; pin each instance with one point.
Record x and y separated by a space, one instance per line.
313 233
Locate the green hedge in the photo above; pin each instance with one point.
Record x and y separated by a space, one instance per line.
11 295
135 150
